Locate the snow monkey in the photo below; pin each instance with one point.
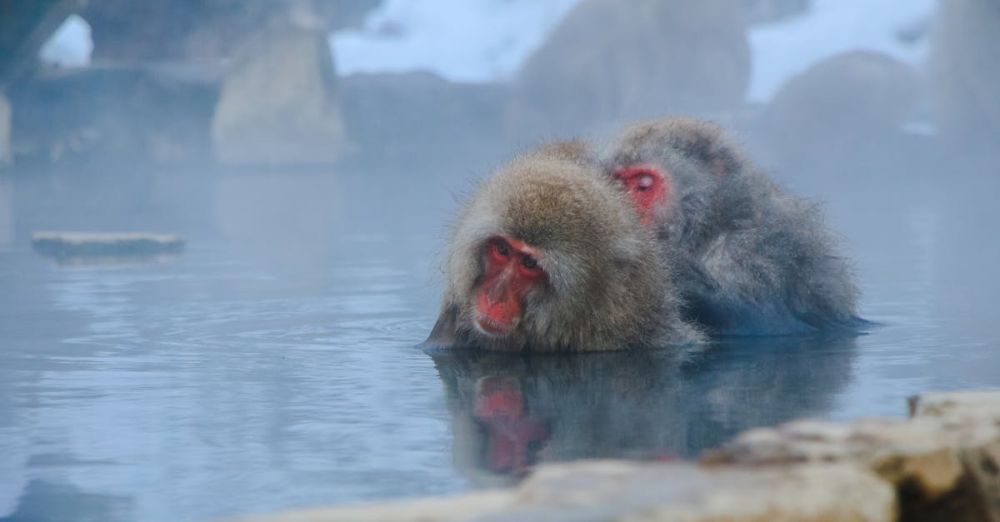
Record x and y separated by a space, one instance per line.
749 259
550 256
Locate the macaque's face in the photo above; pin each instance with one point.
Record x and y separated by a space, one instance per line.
511 271
647 186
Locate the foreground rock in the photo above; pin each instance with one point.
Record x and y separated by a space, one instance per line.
941 464
612 490
86 245
944 462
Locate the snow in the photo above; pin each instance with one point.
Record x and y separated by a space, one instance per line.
463 40
70 46
784 49
487 40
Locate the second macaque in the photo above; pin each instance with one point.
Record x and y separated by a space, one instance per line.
749 259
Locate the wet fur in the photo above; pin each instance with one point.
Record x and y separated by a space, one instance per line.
749 259
608 286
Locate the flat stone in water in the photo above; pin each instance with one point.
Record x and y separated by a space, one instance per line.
65 246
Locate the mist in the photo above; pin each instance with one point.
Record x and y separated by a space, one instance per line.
313 154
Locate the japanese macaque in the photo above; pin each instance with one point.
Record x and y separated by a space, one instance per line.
749 259
549 256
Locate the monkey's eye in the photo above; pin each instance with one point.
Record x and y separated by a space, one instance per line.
644 183
500 249
529 262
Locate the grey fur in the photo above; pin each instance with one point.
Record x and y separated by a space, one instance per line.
608 287
750 259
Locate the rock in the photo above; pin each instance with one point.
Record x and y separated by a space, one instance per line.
964 79
123 114
199 30
857 101
278 105
407 116
5 150
612 61
85 245
940 465
610 490
944 462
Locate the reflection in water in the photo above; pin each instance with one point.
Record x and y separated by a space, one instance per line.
272 364
6 211
285 220
511 411
53 501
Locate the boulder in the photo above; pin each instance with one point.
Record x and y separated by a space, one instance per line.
944 462
400 117
612 61
964 67
851 105
116 114
611 490
279 104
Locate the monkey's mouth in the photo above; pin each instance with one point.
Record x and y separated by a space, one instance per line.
493 328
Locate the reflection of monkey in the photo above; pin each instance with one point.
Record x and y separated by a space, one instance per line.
750 259
610 61
549 256
510 411
965 72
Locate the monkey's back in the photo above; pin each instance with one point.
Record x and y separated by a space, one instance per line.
773 266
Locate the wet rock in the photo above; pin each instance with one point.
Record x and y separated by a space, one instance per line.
114 113
65 246
399 117
943 462
612 61
5 151
279 104
851 105
610 490
126 31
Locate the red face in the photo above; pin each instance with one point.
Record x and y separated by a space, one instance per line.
648 188
511 271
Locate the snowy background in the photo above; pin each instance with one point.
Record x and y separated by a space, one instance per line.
487 40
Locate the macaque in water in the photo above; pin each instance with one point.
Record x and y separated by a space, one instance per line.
749 259
548 255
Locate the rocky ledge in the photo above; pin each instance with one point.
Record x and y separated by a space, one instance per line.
941 464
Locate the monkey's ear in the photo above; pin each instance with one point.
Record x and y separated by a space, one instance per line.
445 331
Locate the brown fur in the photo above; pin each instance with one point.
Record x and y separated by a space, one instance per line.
607 287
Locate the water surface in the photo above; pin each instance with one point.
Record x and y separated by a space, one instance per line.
273 364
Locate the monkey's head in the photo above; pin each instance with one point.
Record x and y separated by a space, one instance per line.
670 167
549 256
